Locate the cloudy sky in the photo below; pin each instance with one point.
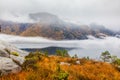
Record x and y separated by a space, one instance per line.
105 12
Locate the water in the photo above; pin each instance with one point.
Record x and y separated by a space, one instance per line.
91 47
83 48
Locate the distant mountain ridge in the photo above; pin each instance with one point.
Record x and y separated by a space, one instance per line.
51 26
44 17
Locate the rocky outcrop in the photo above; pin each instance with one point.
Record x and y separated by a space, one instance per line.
7 65
50 26
11 58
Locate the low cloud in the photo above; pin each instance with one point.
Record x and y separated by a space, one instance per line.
105 12
92 47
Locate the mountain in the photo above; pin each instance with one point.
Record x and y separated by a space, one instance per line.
101 30
13 28
50 26
45 18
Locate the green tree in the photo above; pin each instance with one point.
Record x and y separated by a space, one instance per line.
63 53
60 74
113 59
75 56
46 53
58 53
105 56
117 62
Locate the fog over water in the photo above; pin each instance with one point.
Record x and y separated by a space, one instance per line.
91 47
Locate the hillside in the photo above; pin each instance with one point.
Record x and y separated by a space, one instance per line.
42 67
51 26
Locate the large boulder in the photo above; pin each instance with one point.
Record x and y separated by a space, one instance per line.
11 58
3 53
8 66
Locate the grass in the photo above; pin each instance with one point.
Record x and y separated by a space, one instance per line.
41 67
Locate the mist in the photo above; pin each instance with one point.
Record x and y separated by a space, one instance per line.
104 12
91 47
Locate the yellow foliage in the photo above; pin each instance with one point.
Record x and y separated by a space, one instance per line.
86 70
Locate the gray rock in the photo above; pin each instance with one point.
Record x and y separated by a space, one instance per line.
8 66
64 63
18 59
10 63
3 53
77 62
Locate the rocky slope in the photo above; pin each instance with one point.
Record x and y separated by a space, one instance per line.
51 26
10 58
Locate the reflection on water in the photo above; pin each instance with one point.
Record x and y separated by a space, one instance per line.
50 50
83 48
91 47
95 54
